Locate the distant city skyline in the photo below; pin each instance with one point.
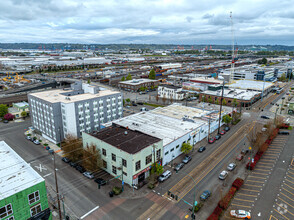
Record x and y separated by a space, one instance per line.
147 22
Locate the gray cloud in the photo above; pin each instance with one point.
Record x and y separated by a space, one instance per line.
141 21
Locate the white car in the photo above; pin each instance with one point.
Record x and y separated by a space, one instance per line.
88 175
240 214
223 175
231 166
37 142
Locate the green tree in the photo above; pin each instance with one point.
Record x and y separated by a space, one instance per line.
203 99
129 77
89 81
186 148
158 169
216 102
152 74
283 77
210 100
262 61
24 114
3 110
128 100
123 79
226 119
234 103
142 88
224 102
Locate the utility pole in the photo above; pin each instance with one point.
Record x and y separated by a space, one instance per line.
220 110
56 183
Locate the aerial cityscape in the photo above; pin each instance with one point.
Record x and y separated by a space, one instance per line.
148 110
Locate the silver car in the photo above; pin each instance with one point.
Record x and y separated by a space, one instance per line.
88 175
231 166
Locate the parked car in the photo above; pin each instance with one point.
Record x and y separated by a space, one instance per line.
51 151
28 137
88 175
186 159
73 164
80 169
205 195
140 103
231 166
265 117
5 121
201 149
179 166
47 148
134 104
217 137
65 159
240 214
144 109
227 129
240 157
284 132
211 140
223 175
164 176
128 106
37 142
100 181
222 132
141 93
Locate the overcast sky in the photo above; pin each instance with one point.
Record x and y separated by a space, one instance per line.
147 21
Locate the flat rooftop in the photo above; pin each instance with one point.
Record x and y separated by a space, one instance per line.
128 140
206 80
250 84
137 81
240 94
16 175
55 96
161 126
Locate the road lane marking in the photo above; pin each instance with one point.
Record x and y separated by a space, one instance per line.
287 196
244 200
47 175
281 214
241 205
88 213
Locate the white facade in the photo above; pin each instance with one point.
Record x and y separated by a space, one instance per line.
171 92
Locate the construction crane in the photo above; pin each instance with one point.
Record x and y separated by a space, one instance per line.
233 50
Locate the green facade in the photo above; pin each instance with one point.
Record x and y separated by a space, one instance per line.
20 202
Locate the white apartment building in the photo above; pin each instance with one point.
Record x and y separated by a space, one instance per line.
171 92
58 113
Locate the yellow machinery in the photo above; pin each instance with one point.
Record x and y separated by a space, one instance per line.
16 77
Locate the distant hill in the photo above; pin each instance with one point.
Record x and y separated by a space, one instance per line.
62 46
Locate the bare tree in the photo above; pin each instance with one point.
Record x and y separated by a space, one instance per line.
255 137
157 97
279 120
91 158
164 99
72 148
269 128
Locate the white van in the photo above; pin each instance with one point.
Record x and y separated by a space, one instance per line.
164 176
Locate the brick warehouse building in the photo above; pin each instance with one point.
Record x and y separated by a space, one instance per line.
135 84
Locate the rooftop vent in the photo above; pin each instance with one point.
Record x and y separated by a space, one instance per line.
126 132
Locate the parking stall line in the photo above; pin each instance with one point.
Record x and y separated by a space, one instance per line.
290 176
242 205
287 197
269 160
291 169
262 162
251 185
265 174
255 181
262 166
242 194
251 190
288 191
290 172
288 186
273 217
267 170
269 153
257 177
286 202
289 181
269 157
285 209
281 214
244 200
274 150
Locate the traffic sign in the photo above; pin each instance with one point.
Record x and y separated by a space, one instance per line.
250 148
122 182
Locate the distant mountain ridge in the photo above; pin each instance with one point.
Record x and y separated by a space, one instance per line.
64 46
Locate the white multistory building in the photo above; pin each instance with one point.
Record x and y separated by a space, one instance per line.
171 92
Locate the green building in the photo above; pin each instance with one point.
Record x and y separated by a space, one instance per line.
22 190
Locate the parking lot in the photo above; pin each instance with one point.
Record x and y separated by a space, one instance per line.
248 195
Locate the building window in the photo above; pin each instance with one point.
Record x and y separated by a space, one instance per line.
10 218
104 164
158 153
34 197
177 146
103 151
36 209
172 149
5 211
138 165
113 156
125 174
124 162
148 159
114 170
166 153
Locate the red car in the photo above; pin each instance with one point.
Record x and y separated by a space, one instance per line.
211 140
222 132
240 157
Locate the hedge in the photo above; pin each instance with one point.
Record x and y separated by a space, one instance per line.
225 202
238 183
213 217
